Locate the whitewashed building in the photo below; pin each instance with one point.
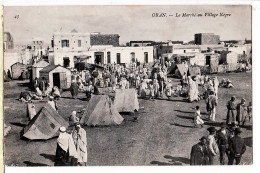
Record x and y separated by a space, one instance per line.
69 47
241 49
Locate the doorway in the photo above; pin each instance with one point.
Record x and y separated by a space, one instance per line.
207 60
118 58
56 79
66 62
99 58
145 57
132 57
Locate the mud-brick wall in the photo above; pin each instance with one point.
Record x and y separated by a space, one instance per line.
107 39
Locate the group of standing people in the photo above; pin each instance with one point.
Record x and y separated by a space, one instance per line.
227 141
222 143
240 113
71 147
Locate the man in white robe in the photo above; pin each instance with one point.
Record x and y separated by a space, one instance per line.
80 140
193 91
66 153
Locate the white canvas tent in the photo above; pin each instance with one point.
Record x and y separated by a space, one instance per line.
126 100
101 112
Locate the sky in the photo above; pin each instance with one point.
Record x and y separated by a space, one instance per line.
130 22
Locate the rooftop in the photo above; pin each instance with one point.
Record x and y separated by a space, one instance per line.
49 68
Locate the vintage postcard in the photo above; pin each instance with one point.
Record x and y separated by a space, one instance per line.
127 85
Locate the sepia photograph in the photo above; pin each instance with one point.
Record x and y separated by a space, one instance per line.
127 85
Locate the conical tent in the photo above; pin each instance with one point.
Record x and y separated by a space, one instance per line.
100 112
45 124
181 70
126 100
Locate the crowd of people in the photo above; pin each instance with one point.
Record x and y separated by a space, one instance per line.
151 80
225 142
148 80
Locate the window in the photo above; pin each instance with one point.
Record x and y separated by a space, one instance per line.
118 58
184 51
244 52
79 43
64 43
108 58
145 57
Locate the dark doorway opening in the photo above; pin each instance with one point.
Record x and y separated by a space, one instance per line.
132 57
56 79
66 62
207 60
99 58
118 58
146 57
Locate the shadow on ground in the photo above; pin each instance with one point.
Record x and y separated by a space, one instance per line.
48 156
173 161
68 98
177 160
34 164
181 125
190 117
189 112
249 141
160 163
18 124
83 99
212 123
248 127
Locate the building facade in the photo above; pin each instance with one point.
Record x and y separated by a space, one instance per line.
67 46
38 47
8 41
95 49
206 38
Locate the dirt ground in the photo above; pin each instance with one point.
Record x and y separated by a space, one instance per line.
163 134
